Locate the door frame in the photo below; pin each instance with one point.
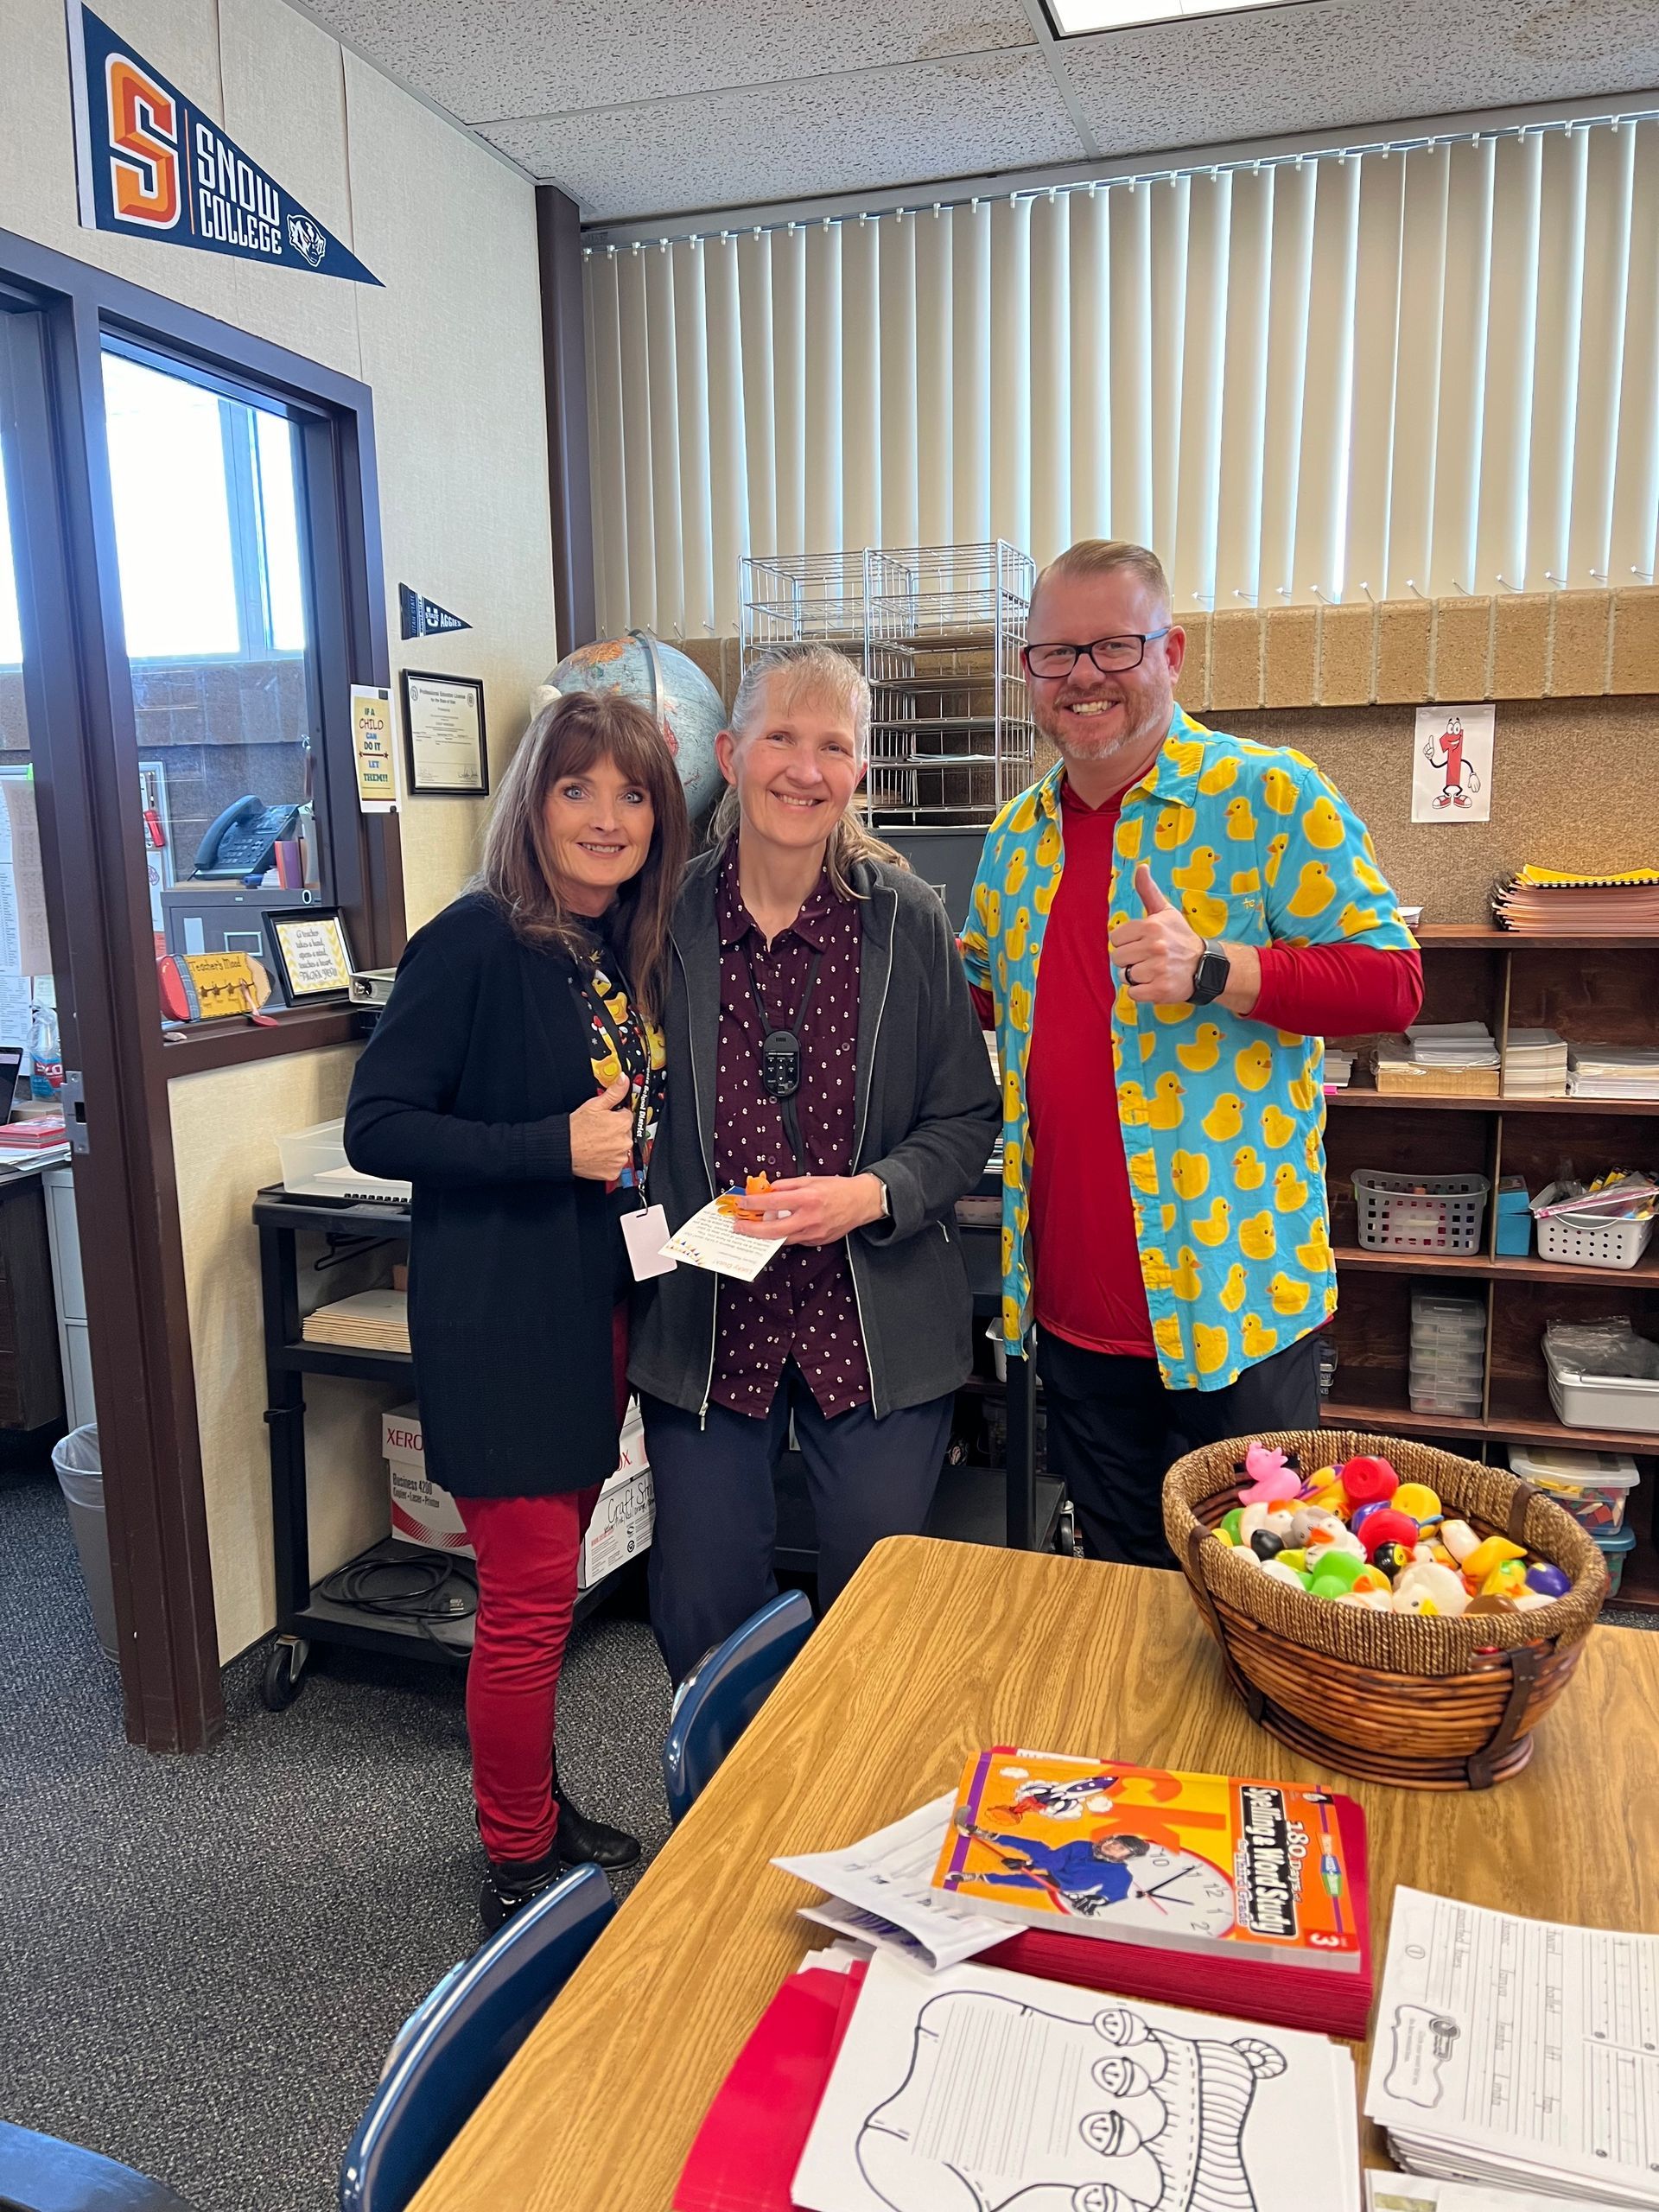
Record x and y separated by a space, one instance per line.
78 704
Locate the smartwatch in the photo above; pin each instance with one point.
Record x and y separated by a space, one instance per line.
1212 975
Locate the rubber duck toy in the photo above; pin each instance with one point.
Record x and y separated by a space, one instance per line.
1269 1478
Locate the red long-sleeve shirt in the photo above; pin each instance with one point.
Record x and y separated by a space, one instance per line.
1088 1271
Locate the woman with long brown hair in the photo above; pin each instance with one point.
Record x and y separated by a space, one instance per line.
515 1081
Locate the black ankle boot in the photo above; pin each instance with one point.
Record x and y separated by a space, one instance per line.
509 1887
582 1842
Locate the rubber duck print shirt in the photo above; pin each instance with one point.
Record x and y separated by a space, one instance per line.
1257 848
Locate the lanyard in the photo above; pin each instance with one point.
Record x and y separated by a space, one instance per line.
632 1176
780 1055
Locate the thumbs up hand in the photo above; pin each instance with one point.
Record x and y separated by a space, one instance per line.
1156 956
602 1135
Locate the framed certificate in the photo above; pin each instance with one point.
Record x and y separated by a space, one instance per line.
314 962
443 731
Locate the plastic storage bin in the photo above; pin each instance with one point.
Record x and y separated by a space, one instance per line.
1581 1401
1616 1549
1594 1487
315 1166
1419 1213
1591 1244
79 1467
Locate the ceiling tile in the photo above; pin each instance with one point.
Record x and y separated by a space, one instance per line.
789 142
494 58
1206 80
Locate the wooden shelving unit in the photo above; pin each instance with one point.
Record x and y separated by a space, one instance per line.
1593 989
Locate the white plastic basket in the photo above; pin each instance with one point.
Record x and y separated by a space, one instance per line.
1418 1213
1585 1242
1629 1403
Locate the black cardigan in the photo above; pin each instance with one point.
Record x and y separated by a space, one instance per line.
466 1090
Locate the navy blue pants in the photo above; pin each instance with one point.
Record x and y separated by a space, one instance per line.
710 1560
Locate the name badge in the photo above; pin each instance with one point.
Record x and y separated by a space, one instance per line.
645 1233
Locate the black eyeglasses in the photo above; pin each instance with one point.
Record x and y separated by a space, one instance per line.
1111 655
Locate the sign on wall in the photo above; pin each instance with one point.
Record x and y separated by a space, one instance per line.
150 164
1452 765
424 618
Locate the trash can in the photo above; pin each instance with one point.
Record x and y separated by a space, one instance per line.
80 1476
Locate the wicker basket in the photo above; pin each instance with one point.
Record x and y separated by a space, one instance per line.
1389 1697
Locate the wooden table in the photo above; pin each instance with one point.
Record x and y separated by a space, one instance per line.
934 1650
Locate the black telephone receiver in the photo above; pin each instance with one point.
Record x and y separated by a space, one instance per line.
243 841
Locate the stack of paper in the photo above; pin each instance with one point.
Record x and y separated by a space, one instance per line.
1339 1067
1440 1058
1613 1072
373 1320
1386 2192
1452 1045
1535 1064
1544 900
1518 2053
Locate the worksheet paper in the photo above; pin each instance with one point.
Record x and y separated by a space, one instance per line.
710 1240
1415 2193
1519 2051
887 1880
979 2091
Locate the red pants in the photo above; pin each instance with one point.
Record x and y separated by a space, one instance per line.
528 1549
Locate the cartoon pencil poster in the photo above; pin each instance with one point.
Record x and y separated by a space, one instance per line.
1451 764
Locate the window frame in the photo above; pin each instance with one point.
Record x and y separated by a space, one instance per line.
87 309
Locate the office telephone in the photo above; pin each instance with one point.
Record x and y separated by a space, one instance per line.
243 841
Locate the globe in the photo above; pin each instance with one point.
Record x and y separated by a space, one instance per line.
670 687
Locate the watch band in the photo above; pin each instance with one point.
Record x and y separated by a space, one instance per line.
1211 977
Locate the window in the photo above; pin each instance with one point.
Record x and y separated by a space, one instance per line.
11 643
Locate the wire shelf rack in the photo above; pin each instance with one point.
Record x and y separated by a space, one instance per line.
937 631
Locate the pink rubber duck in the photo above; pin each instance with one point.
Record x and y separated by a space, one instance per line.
1270 1479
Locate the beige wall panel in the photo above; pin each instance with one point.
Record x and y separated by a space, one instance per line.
225 1128
1636 641
1545 808
1193 689
1520 644
1235 660
1346 638
1579 643
1463 629
1403 638
1292 656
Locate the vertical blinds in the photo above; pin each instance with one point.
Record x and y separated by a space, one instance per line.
1431 368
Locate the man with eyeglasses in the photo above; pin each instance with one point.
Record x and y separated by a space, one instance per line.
1202 912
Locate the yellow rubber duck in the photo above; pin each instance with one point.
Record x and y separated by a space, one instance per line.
1126 838
1166 1111
1200 871
1232 1291
1048 844
1155 1268
1213 1229
1249 1170
1148 1045
1279 790
1258 1341
1204 1051
1174 826
1221 775
1190 1173
1352 920
1243 881
1010 1095
1024 816
1241 821
1288 1296
1373 879
1322 826
1011 1165
1210 1348
1008 1248
1019 1007
1185 754
1186 1282
987 904
1289 1191
1208 916
1019 933
1275 853
1277 1128
1253 1065
1143 1171
1172 1016
1225 1118
1255 1237
1166 1335
1304 1089
1315 1254
1311 1152
1123 1007
1314 890
1043 897
1016 871
1117 1054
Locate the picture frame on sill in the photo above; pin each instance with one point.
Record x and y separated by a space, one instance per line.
311 954
444 740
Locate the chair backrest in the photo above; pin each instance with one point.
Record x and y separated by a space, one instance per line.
723 1693
39 2173
465 2037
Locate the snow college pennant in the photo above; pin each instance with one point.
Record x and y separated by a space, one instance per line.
150 164
423 618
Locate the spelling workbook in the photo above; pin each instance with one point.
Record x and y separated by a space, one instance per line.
1190 1862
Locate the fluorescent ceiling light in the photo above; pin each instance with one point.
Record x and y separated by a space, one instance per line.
1074 18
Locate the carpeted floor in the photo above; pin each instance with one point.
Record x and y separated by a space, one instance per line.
203 1959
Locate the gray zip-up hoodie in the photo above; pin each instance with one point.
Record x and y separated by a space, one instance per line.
925 1117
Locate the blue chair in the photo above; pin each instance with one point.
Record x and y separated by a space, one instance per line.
722 1693
457 2040
38 2173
